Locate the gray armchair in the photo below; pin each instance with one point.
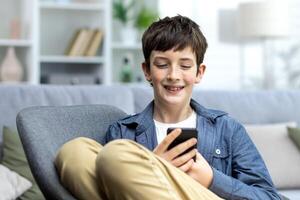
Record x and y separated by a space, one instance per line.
43 130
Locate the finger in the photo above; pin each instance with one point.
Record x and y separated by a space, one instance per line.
199 157
179 149
187 165
184 158
163 146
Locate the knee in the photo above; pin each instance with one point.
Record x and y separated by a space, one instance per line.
119 156
75 164
121 145
118 150
72 156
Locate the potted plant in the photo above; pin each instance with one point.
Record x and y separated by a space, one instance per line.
144 18
123 11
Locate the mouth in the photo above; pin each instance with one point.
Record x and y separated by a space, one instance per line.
173 88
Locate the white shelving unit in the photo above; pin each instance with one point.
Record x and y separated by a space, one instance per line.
15 43
72 6
69 59
46 31
66 19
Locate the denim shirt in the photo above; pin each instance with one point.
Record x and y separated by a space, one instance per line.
238 169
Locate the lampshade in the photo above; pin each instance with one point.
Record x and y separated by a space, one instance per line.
264 19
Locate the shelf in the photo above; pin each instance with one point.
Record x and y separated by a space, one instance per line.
121 46
72 6
69 59
15 43
16 83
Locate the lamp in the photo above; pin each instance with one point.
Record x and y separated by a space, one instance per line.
262 21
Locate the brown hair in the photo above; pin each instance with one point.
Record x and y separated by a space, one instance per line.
174 32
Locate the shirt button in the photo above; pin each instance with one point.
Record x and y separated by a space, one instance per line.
218 151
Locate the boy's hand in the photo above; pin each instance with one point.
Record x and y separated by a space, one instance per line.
183 162
199 170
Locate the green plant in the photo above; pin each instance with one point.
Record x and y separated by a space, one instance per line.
121 10
145 17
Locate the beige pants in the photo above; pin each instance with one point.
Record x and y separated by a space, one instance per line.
123 169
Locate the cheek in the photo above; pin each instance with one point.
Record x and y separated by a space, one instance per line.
156 76
190 79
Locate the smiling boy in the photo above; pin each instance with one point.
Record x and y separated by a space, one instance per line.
136 163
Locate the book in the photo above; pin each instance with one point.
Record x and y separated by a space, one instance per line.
78 42
86 41
95 43
72 42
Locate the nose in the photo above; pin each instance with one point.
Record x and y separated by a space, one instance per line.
173 74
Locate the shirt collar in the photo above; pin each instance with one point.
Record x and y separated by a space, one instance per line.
210 114
145 119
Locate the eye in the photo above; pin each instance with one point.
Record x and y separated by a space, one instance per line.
162 65
186 66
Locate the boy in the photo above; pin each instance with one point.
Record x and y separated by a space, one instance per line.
227 165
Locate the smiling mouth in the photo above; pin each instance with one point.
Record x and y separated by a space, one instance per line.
173 88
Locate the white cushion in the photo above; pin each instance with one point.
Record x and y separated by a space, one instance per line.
12 184
291 194
279 152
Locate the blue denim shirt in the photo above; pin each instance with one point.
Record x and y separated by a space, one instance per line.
238 169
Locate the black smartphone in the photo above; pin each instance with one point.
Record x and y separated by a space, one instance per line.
186 134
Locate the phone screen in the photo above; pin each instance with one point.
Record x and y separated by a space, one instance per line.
186 134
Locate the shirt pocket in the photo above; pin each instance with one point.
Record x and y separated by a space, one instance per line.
221 160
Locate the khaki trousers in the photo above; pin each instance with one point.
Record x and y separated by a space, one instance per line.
123 169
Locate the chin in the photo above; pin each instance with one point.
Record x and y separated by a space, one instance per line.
175 100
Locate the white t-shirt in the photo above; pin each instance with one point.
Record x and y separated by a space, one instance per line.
161 128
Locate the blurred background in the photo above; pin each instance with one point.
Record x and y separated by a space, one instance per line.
253 45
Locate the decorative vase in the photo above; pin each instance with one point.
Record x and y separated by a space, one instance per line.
15 29
126 75
128 35
11 70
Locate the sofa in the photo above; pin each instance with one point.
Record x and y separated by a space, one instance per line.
265 114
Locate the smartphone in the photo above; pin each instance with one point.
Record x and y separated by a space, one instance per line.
186 134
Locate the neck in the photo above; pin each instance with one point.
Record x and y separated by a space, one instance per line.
170 113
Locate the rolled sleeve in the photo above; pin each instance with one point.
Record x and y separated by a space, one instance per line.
221 184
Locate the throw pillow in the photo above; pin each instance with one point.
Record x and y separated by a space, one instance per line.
12 184
14 158
294 134
278 151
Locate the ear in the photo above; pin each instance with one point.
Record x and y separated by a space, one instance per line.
200 73
146 71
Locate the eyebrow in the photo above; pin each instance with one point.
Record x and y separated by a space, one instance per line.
160 57
186 59
165 58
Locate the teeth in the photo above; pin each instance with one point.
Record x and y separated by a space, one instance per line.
173 88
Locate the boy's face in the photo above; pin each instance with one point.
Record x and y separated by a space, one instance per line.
173 75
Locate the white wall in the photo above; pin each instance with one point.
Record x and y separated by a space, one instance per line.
230 64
